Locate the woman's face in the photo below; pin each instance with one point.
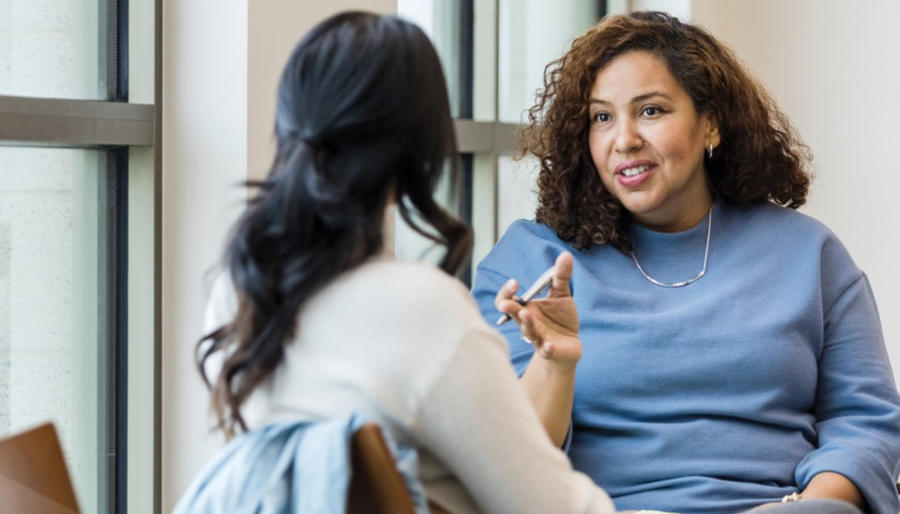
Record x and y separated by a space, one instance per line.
647 142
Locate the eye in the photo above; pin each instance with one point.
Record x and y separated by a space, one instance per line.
651 111
601 117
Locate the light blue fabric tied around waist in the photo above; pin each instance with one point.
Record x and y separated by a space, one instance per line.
290 467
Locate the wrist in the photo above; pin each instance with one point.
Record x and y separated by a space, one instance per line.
554 367
834 486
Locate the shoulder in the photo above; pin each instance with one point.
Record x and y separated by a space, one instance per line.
775 218
402 319
526 249
526 243
403 292
787 227
530 230
406 280
783 233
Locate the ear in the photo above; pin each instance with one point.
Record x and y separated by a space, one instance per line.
711 129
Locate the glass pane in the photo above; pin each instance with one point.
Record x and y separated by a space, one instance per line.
452 196
448 24
54 349
53 48
533 33
517 181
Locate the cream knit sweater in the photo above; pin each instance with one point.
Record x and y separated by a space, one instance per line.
404 344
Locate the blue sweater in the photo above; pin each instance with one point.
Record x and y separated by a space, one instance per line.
734 390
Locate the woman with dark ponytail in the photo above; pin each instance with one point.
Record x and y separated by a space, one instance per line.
314 320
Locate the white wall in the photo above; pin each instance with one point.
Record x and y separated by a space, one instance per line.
221 62
678 8
204 156
832 67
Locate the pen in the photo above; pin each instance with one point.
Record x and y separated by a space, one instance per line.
539 285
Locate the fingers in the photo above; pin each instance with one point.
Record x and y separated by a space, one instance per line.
506 292
510 307
527 326
562 277
535 332
530 333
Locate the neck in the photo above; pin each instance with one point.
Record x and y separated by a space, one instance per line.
683 219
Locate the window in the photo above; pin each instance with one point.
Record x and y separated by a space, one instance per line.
70 144
52 48
494 53
57 323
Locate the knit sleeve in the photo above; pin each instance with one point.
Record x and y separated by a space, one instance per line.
477 420
857 406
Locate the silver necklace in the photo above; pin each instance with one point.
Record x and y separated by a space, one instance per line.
683 282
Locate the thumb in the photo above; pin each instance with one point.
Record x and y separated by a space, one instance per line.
560 287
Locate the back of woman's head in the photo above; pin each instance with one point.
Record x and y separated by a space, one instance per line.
362 119
760 158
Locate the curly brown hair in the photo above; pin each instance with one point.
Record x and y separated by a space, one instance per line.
760 157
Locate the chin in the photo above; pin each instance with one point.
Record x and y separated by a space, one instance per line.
637 205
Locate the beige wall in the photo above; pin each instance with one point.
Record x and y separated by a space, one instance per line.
219 77
832 67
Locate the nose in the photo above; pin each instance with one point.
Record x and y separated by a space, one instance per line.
627 137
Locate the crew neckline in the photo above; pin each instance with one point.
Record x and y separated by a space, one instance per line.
650 243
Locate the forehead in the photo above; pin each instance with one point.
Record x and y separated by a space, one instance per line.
635 73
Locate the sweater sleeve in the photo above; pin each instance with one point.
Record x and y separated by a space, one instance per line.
857 406
478 421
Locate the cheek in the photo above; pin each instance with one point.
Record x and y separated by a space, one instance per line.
600 151
600 155
678 144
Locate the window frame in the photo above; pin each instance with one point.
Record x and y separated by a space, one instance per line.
130 135
482 143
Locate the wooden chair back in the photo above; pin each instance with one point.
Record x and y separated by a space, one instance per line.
33 474
376 485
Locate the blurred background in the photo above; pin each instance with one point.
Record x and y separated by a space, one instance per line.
127 125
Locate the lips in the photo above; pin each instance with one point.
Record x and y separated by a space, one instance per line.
632 173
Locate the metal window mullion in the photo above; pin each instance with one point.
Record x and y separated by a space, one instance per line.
495 164
120 339
117 89
74 123
486 136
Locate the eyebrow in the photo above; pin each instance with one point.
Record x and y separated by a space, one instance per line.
639 98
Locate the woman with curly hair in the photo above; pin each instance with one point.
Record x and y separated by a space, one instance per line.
729 350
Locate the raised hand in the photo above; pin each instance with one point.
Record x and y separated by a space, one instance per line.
550 323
